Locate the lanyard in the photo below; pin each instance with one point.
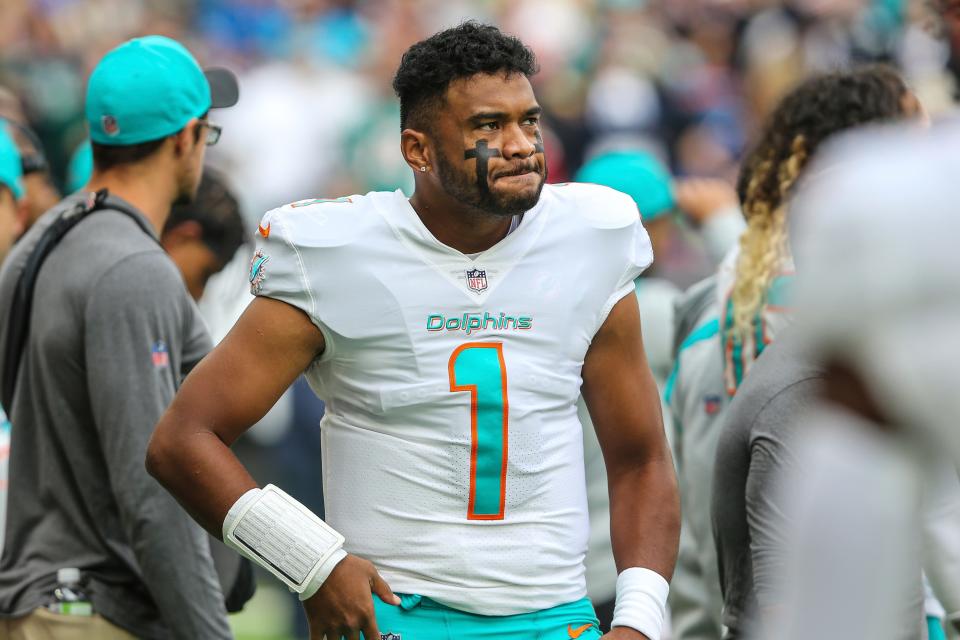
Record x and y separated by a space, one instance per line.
22 303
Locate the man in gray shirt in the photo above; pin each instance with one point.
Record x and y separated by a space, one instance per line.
112 332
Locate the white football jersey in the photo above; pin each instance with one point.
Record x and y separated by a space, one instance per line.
452 451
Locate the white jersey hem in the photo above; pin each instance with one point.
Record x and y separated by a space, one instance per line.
507 600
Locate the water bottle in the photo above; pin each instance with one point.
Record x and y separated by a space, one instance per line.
69 598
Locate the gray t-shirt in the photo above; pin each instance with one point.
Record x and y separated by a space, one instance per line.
113 331
753 526
753 454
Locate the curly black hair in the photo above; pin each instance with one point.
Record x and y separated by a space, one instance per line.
428 67
812 112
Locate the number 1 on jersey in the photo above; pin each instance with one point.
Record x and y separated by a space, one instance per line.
478 367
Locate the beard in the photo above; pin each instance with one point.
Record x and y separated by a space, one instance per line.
476 193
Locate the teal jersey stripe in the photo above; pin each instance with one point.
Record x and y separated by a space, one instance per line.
736 352
479 369
671 381
935 629
705 331
778 295
758 327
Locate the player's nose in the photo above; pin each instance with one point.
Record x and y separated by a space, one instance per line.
517 143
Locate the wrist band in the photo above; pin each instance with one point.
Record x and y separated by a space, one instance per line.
641 601
284 537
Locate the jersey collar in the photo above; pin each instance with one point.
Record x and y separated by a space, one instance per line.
493 264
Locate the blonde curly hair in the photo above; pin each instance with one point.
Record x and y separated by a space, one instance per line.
817 109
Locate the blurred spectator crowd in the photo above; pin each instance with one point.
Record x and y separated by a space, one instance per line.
689 80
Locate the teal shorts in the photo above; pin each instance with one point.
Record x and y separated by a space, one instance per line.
420 618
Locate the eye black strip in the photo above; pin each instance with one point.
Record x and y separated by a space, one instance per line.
482 153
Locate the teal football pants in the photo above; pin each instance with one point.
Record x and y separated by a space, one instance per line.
420 618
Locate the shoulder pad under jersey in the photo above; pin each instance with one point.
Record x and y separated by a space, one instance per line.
286 235
597 206
319 222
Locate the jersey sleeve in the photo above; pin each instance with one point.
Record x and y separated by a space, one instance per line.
631 247
277 269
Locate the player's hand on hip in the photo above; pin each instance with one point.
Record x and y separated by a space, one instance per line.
343 607
623 633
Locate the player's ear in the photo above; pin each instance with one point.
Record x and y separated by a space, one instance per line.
413 146
187 138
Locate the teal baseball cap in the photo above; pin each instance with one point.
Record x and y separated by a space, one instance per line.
11 170
149 88
636 173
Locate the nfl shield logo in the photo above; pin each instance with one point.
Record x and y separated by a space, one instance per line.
477 279
160 354
110 125
712 404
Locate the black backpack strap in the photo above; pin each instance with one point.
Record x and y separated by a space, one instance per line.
22 302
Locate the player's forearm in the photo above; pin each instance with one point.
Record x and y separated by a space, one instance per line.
645 516
226 394
198 468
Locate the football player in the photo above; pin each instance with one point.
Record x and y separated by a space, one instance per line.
450 335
